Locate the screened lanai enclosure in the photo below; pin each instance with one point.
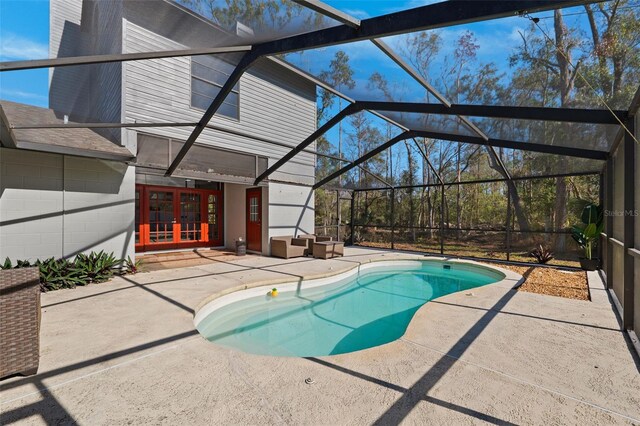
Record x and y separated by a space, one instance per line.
463 128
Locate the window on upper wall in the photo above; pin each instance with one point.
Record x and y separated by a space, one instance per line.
208 75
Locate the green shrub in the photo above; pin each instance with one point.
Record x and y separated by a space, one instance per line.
20 264
84 269
7 264
133 267
96 267
588 235
59 273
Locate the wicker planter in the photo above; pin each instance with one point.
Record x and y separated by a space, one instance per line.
19 321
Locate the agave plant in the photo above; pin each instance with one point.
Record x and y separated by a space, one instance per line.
19 264
542 254
133 266
23 264
587 236
59 273
7 264
96 267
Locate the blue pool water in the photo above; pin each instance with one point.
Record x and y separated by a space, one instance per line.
365 310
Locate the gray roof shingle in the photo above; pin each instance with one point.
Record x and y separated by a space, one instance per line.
73 141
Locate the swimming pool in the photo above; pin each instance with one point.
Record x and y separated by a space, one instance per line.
362 308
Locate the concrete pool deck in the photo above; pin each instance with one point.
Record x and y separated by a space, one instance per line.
127 352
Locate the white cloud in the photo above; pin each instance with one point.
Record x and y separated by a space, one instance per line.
357 13
15 47
411 4
21 94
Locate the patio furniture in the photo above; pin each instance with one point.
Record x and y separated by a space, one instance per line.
312 238
19 321
288 246
328 249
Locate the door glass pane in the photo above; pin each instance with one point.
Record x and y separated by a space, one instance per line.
253 209
137 214
160 217
212 217
190 217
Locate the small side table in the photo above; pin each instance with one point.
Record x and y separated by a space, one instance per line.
328 249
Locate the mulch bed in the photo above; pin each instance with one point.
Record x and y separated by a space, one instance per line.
541 280
552 281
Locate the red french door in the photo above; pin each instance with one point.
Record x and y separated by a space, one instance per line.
170 218
254 219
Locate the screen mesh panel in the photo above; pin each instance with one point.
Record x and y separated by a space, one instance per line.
359 70
508 61
361 10
449 124
203 159
204 162
481 206
524 163
100 25
512 61
598 137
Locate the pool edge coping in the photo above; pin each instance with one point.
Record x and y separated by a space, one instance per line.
511 278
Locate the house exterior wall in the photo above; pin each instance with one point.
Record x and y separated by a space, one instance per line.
107 78
99 206
291 210
275 104
234 214
54 205
88 92
68 86
31 204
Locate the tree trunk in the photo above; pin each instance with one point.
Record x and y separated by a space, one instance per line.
563 57
410 192
458 205
523 222
561 213
521 217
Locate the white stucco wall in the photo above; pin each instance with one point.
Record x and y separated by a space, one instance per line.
291 210
55 205
31 204
235 215
99 206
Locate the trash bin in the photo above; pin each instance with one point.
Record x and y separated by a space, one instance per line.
241 247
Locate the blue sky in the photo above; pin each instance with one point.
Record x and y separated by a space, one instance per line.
24 34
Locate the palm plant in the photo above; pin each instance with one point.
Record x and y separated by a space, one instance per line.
587 236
